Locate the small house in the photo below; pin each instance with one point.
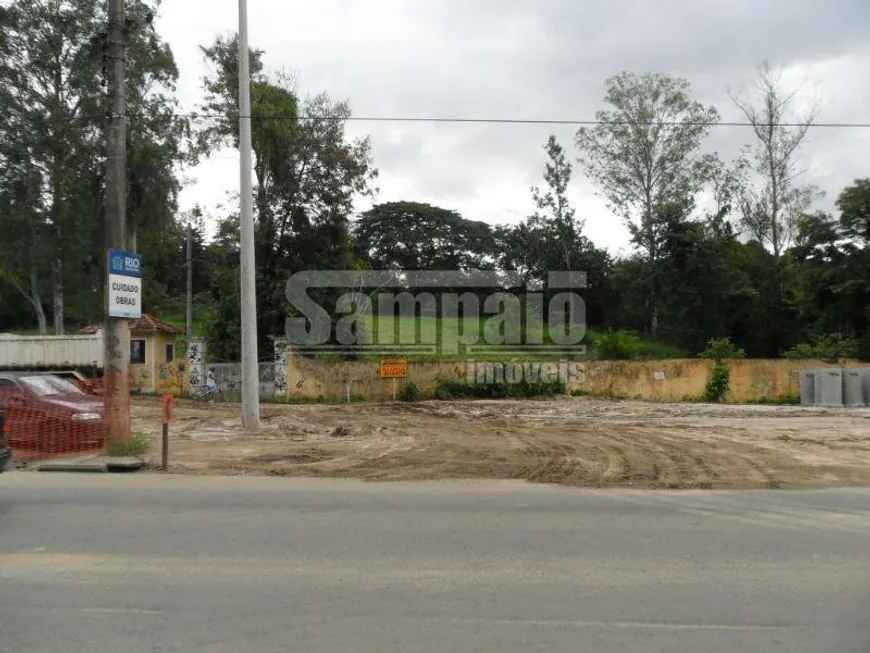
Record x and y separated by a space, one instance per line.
153 366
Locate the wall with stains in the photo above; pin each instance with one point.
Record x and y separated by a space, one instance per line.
671 380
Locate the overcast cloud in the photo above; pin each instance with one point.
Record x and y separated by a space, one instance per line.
540 59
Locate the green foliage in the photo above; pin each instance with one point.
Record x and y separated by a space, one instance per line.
720 348
643 155
308 175
652 350
410 392
719 384
450 389
692 275
417 236
617 345
779 400
52 150
138 445
828 347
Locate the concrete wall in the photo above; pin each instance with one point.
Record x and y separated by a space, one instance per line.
309 379
670 380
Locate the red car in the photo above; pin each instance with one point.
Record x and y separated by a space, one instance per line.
49 415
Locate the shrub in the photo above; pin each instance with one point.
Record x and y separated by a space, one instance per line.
720 348
781 400
829 347
137 445
409 392
719 383
617 345
450 389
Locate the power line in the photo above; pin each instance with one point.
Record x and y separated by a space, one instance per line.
535 121
494 121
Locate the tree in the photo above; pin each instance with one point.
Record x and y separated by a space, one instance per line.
770 208
308 175
854 206
551 239
52 73
23 229
831 267
643 155
418 236
52 92
554 210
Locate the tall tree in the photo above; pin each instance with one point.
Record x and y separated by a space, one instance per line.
51 77
554 210
52 90
643 155
308 174
771 206
551 239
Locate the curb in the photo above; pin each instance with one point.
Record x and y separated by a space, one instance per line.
100 465
93 467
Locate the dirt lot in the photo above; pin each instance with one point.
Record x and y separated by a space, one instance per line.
570 441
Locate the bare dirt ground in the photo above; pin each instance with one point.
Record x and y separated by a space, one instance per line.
569 441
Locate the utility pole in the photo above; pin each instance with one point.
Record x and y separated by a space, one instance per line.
188 315
116 335
250 367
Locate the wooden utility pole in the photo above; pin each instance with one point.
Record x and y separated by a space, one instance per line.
117 337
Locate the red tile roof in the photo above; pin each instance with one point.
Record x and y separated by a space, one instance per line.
147 324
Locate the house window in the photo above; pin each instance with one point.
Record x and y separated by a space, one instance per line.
170 353
137 352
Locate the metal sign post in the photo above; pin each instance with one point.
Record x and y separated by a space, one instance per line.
394 368
168 414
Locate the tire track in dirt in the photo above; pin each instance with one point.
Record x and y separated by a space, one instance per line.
562 441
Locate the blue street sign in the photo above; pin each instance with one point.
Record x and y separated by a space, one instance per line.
126 264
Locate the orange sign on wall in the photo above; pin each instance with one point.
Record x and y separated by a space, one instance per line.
168 408
395 368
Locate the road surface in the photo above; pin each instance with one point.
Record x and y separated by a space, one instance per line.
158 564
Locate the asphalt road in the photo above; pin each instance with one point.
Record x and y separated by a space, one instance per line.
156 564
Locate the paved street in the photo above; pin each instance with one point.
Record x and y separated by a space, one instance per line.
157 564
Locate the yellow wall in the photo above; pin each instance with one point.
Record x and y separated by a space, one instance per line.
156 375
169 379
671 380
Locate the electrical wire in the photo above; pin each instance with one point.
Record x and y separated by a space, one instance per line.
491 121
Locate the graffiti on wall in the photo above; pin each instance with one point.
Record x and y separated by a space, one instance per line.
196 356
280 368
169 380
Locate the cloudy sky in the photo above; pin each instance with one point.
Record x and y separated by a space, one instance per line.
536 59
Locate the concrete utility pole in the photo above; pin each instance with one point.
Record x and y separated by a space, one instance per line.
117 336
188 316
250 368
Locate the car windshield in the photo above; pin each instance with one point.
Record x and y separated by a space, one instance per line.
49 385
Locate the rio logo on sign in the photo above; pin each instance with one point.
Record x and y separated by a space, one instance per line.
125 284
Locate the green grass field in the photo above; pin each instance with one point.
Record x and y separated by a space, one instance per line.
437 339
